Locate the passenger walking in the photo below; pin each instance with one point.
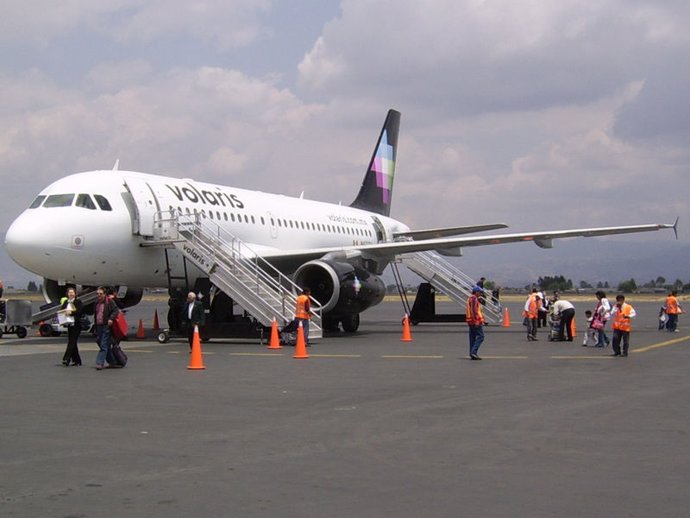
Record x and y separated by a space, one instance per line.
621 313
303 312
602 314
104 313
672 309
543 310
73 308
192 315
531 312
475 322
564 311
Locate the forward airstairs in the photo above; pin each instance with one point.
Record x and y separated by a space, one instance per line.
447 279
233 267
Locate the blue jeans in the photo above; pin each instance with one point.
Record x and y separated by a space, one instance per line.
602 339
672 322
104 339
476 338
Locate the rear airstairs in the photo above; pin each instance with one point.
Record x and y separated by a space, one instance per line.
234 268
447 279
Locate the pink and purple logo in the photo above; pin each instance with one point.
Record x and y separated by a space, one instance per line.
384 167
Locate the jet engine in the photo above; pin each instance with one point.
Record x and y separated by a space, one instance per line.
343 290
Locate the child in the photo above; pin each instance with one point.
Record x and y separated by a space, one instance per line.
591 334
662 318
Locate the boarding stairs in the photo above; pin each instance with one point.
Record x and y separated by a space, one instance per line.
233 267
446 278
48 313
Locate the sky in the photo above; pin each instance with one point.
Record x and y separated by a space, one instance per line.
538 114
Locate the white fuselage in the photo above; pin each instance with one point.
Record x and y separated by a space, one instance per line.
89 227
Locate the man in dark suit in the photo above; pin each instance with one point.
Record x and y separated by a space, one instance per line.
192 315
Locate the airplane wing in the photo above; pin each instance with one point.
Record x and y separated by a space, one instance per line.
447 231
451 246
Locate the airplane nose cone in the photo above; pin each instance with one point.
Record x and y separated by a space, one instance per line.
21 240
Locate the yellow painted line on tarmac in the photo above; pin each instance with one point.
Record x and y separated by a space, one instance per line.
410 357
335 355
589 357
505 357
136 351
277 355
660 345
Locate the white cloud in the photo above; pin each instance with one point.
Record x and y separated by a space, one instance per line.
225 24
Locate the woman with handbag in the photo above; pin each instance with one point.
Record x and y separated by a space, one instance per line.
602 313
72 307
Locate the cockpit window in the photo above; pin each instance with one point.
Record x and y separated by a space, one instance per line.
103 203
59 200
84 200
37 202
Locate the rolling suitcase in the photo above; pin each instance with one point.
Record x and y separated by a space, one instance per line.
118 356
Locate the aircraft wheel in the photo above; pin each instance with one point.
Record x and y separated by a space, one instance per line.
163 337
21 332
351 323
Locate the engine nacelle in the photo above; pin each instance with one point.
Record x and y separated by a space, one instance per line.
341 288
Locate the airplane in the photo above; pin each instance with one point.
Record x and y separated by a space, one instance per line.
92 228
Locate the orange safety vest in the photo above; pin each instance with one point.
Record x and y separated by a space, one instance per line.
302 310
533 307
619 321
473 312
672 305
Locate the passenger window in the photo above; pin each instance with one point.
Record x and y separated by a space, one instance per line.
85 201
37 202
102 202
59 200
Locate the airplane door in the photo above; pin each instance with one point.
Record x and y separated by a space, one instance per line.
145 203
378 228
272 225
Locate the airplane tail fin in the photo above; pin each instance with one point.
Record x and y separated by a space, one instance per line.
377 188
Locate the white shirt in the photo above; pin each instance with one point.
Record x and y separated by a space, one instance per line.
560 306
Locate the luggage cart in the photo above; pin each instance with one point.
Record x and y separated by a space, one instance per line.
15 317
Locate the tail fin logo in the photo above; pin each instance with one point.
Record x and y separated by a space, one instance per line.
383 166
376 192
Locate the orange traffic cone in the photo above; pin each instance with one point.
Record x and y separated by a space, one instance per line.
406 335
506 318
140 331
300 346
156 325
573 329
195 361
275 341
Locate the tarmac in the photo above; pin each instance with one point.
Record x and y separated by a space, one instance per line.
368 426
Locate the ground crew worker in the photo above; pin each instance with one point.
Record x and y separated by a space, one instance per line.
475 322
672 309
531 312
303 312
564 311
621 313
